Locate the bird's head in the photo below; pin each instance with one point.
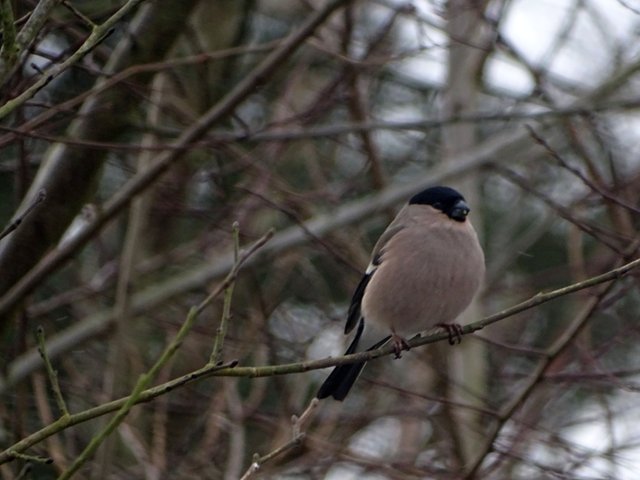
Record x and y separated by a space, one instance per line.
447 200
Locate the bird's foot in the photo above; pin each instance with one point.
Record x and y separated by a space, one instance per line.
399 344
454 330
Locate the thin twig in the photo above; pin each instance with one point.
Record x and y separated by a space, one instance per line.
296 440
78 13
221 333
98 34
42 194
231 276
32 458
563 211
301 421
51 373
295 217
588 182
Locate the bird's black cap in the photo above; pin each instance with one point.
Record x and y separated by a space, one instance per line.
445 199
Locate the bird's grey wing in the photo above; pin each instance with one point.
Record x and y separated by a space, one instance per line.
393 228
354 314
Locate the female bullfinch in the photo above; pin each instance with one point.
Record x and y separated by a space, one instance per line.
424 271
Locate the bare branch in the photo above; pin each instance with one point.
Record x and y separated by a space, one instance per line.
52 374
564 164
42 195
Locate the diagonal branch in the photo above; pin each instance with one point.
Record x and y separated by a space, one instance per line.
141 181
15 223
557 348
26 36
140 392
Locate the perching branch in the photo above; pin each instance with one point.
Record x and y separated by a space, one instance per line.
498 147
232 370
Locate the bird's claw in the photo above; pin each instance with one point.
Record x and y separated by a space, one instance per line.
454 330
399 344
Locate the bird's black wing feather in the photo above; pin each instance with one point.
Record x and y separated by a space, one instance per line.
342 378
354 313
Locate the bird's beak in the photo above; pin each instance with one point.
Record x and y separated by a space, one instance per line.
460 211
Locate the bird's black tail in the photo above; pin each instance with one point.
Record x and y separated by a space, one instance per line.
342 378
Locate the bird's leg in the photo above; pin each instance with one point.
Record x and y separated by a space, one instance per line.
399 344
454 330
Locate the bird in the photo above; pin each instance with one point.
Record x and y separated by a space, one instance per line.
424 271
